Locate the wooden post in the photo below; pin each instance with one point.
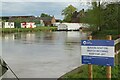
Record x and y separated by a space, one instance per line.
90 71
109 67
90 74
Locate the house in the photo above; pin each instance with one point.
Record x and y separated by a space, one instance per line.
20 19
28 25
76 16
9 25
48 21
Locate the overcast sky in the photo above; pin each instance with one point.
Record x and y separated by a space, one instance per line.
36 7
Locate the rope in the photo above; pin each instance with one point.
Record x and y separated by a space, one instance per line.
13 72
10 69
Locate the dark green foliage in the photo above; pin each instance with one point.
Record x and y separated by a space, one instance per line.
99 72
103 33
111 16
93 16
45 15
67 12
106 16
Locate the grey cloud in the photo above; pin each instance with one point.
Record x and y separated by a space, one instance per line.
36 8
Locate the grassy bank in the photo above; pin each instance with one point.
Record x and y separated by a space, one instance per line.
13 30
99 72
101 34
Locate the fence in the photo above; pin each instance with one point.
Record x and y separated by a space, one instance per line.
117 44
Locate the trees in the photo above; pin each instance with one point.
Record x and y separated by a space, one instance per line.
103 16
44 15
67 12
111 16
94 16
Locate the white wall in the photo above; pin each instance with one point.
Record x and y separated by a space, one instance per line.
28 25
71 26
56 24
62 27
9 25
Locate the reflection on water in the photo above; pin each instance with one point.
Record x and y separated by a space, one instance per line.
43 54
75 36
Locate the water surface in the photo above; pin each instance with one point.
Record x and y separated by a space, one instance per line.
42 54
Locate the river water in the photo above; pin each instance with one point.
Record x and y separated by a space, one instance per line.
42 54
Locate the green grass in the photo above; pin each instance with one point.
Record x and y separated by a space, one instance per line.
103 33
98 72
13 30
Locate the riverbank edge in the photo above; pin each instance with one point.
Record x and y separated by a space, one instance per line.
38 29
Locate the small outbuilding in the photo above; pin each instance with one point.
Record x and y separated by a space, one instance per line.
9 25
28 25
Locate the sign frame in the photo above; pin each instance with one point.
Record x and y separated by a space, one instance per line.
97 52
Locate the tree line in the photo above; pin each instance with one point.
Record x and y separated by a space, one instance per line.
100 16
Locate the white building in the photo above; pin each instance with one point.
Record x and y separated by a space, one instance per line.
9 25
28 25
71 26
56 24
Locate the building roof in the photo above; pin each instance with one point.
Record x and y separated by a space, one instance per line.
15 16
46 18
30 18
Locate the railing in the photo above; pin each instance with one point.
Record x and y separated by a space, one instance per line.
116 42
